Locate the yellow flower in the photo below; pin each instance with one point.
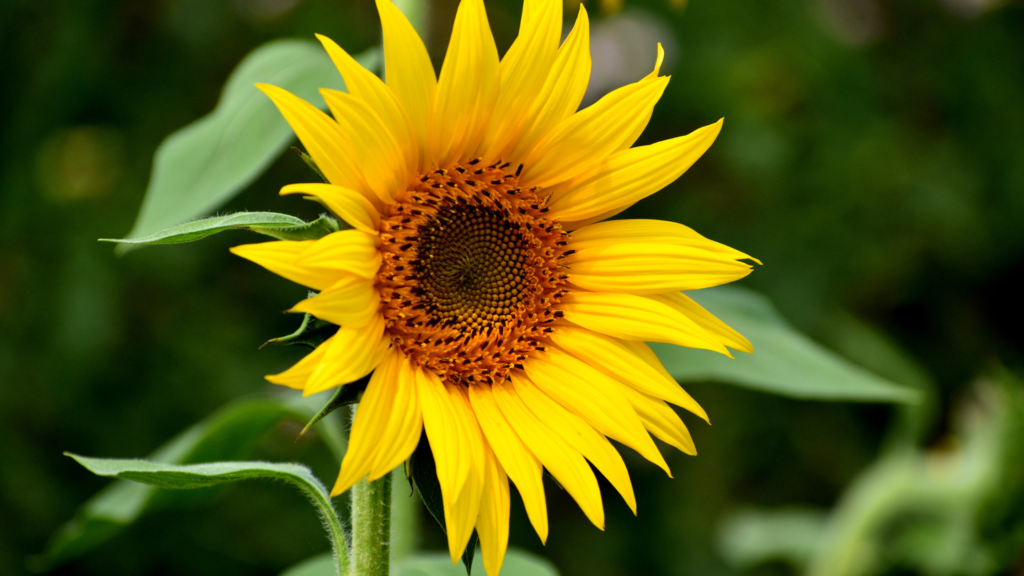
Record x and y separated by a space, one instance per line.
477 285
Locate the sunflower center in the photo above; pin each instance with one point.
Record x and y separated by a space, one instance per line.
470 274
472 262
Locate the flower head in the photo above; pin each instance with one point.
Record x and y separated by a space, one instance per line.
478 285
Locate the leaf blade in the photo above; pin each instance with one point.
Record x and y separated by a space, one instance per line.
280 226
192 476
229 433
784 362
203 165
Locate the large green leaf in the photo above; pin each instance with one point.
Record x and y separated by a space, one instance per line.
187 477
517 563
230 433
280 226
203 165
784 361
190 476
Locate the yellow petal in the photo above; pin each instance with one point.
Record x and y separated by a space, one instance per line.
580 435
440 418
557 87
460 516
565 463
410 75
349 205
353 352
647 268
458 448
380 156
326 143
352 301
617 359
365 85
467 89
662 421
387 425
657 63
640 126
632 317
296 376
523 71
586 138
706 320
594 397
517 460
347 251
405 424
644 351
492 523
562 92
280 258
651 231
631 175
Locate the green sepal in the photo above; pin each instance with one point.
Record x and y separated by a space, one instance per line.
423 471
280 226
311 333
311 163
343 396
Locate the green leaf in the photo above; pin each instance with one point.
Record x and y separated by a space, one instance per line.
784 361
200 167
280 226
517 563
232 432
423 472
191 476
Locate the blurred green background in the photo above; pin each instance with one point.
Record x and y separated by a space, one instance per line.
872 157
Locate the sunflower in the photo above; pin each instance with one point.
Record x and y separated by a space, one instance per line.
478 283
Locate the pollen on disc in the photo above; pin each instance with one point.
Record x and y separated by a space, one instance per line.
470 272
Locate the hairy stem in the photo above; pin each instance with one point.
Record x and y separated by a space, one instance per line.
371 526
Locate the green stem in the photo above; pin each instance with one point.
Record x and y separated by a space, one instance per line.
371 527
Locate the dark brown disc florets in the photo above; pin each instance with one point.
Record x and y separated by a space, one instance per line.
470 274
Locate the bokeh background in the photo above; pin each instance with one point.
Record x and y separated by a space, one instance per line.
872 157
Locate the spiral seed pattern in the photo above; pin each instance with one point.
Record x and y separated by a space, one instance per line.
473 264
471 272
